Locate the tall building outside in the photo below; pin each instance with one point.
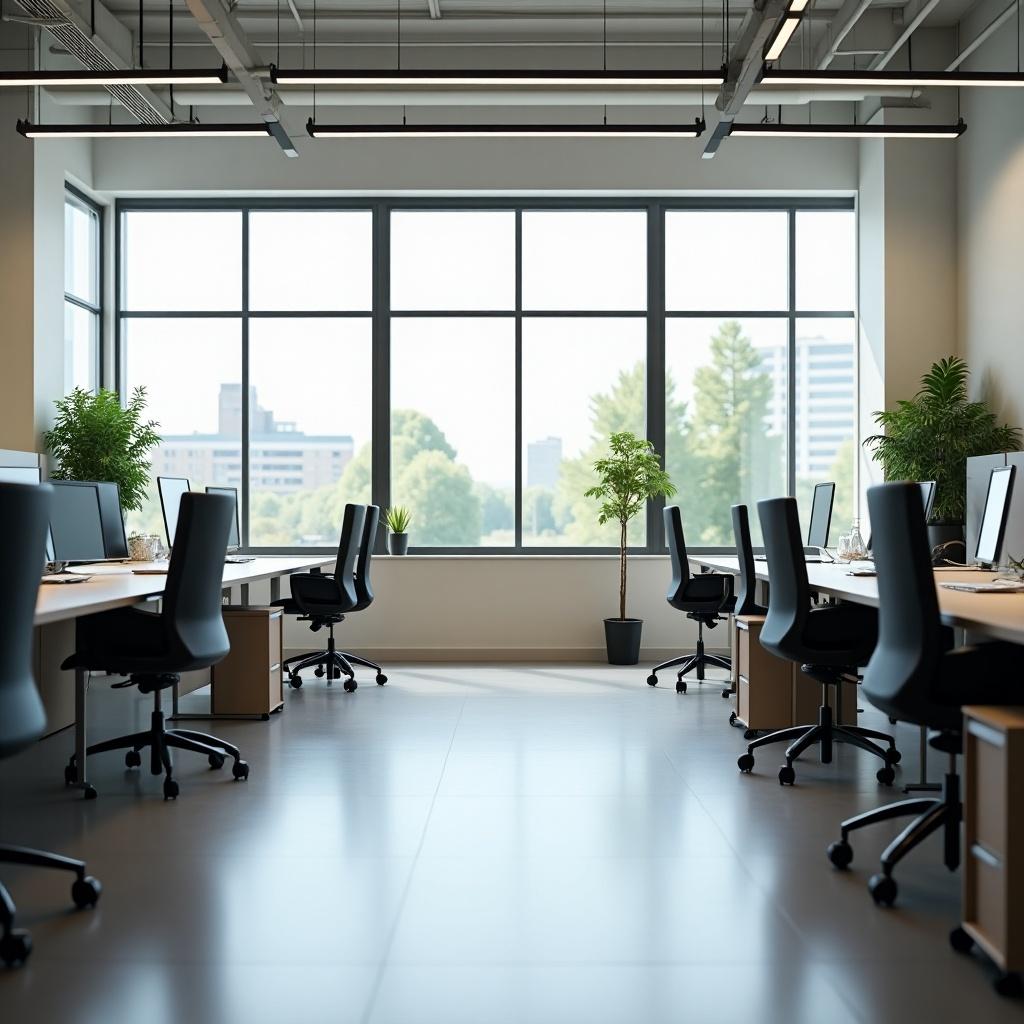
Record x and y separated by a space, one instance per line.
544 463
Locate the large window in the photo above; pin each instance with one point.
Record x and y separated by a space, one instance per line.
469 359
83 287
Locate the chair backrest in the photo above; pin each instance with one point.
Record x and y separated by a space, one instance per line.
789 598
24 515
348 553
364 587
677 553
899 676
745 603
192 616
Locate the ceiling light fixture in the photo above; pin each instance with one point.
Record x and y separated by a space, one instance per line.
132 76
784 29
489 78
178 130
951 79
504 131
851 131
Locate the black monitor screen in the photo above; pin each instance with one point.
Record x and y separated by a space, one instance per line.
927 496
231 492
993 521
115 542
171 490
821 515
76 523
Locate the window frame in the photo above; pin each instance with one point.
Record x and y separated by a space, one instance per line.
655 314
77 197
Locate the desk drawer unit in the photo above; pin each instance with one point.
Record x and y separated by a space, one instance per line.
249 680
764 683
993 873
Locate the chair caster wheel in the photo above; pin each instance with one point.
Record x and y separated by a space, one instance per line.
732 717
886 776
351 686
1009 985
69 775
381 679
171 789
883 890
240 770
652 680
295 682
681 686
15 948
840 853
89 793
745 762
893 756
85 892
787 776
132 759
960 940
750 734
318 671
216 761
726 694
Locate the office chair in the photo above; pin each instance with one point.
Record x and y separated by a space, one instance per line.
24 514
705 598
828 642
323 599
745 602
915 676
153 649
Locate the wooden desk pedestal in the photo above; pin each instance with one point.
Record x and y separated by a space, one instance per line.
249 680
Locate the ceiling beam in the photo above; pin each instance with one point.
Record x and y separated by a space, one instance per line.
847 16
223 30
923 11
297 17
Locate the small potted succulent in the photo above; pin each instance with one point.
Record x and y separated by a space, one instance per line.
627 480
397 519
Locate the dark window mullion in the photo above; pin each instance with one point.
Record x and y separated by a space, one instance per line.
655 360
517 541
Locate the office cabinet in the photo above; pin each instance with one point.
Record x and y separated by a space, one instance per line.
249 680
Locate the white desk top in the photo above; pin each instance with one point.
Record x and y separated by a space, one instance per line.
999 616
120 589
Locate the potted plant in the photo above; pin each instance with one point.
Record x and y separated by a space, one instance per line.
94 437
397 519
931 436
628 479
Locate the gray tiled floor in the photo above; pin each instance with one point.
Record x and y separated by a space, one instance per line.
478 844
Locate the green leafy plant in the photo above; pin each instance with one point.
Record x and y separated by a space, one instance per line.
931 436
95 438
397 519
628 479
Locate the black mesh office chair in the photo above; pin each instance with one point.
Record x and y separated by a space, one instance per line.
153 649
914 676
705 598
24 513
828 642
323 599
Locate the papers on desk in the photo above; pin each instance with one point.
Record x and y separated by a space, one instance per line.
989 587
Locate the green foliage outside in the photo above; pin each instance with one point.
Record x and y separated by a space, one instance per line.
932 435
95 438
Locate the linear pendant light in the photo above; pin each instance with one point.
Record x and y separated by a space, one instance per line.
132 76
141 131
850 131
503 131
953 79
490 78
783 31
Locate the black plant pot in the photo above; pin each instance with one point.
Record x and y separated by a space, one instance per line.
398 543
622 639
947 533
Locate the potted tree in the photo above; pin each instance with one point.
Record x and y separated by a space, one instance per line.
931 436
94 437
397 519
628 478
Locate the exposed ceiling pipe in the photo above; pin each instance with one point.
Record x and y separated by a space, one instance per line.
914 25
848 16
983 35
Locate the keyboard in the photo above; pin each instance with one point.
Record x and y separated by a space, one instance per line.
238 559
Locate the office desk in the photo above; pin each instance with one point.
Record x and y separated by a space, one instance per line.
112 589
997 616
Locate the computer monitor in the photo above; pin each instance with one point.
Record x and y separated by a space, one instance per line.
821 515
115 543
927 496
234 541
993 521
27 475
171 489
76 523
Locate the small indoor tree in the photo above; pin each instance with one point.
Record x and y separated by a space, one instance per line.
95 438
627 479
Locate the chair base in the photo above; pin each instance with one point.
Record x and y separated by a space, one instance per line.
825 733
15 945
930 815
331 663
161 741
696 662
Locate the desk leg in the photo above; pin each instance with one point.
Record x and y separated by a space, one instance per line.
81 741
275 589
923 785
244 588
